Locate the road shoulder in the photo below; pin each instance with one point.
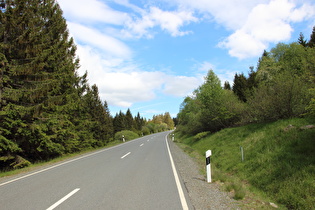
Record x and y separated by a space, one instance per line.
202 195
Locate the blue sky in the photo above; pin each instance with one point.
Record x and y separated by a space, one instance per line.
149 55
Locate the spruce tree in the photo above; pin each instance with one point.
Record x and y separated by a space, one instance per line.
311 43
129 120
39 78
139 122
240 86
227 85
302 40
119 122
101 126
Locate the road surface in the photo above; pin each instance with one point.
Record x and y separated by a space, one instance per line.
138 174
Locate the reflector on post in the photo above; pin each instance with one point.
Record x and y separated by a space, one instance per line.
208 165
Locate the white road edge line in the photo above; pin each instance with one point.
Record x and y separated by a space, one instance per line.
141 145
46 169
63 199
179 186
60 164
125 155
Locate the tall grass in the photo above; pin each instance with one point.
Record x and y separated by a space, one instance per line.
279 159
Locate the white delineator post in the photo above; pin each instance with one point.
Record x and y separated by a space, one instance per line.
208 165
123 138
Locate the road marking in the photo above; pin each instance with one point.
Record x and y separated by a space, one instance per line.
63 199
148 140
66 162
179 186
141 145
125 155
46 169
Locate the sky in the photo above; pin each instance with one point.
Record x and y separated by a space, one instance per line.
148 55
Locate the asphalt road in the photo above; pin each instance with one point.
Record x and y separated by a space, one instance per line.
138 174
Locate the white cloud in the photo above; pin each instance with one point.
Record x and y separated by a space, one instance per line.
172 21
91 11
93 37
243 45
254 24
108 60
204 67
169 21
266 23
123 83
230 13
181 86
127 88
120 83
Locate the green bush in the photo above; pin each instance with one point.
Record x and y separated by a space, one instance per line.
145 130
20 162
128 135
201 135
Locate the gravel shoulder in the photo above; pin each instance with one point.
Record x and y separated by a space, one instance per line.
202 195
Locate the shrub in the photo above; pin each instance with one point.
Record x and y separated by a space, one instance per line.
145 130
201 135
128 135
20 162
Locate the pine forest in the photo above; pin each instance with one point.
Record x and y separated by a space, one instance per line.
46 108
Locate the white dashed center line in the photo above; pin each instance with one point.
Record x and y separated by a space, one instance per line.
125 155
63 199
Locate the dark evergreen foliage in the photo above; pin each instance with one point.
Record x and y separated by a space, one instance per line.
302 41
227 86
119 122
46 109
129 120
311 43
240 86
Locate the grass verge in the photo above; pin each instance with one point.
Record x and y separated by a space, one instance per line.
278 165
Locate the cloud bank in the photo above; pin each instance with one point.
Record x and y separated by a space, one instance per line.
102 30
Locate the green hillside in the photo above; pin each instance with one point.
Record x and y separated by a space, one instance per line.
278 166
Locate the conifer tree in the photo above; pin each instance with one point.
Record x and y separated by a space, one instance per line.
129 120
240 86
39 79
311 43
302 40
227 85
139 122
119 122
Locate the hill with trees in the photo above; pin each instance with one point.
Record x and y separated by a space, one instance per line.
270 116
281 87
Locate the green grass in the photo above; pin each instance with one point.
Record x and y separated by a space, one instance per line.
279 161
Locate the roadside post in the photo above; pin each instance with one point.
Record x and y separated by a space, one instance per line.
242 153
123 138
208 165
173 138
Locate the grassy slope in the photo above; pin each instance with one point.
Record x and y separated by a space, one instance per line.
279 160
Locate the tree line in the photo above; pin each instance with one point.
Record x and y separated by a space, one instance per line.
282 86
46 108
